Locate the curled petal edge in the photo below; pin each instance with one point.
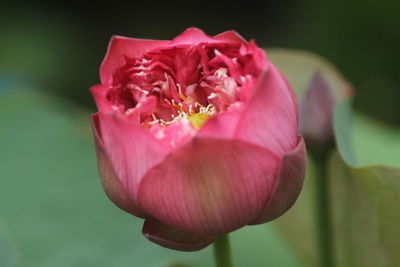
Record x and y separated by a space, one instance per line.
109 180
119 49
289 183
231 36
194 36
99 93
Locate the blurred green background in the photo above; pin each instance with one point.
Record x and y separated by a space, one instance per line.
53 211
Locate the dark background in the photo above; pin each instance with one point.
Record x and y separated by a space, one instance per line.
58 46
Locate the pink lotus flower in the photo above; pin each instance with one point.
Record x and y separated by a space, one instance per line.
197 135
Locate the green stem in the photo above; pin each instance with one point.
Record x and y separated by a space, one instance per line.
323 209
222 252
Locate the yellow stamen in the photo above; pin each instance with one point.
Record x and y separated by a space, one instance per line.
181 95
198 119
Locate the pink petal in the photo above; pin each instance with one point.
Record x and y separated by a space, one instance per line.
194 36
175 134
99 93
111 184
119 49
173 238
235 69
230 36
147 105
259 56
289 184
222 125
132 150
270 118
209 186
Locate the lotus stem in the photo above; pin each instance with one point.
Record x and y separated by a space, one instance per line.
222 252
323 208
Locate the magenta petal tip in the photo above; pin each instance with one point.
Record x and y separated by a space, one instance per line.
289 183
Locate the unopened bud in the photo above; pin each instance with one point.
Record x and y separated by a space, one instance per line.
316 113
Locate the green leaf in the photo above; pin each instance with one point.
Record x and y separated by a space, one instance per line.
366 214
55 210
299 66
8 255
342 125
376 143
364 195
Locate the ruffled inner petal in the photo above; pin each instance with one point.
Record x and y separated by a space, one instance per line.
174 90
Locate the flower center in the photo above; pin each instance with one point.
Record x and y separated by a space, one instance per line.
198 119
183 86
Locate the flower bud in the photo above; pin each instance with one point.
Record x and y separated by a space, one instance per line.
198 136
316 113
